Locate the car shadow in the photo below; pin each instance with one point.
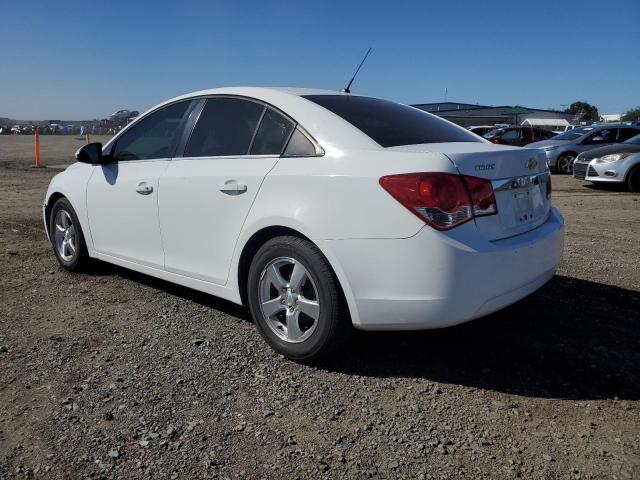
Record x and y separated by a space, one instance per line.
573 339
201 298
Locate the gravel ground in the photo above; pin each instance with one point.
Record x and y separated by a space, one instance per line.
114 374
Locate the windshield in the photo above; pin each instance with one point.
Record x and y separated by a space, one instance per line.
573 134
391 124
492 133
635 140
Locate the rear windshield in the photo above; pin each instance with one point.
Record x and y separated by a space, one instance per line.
391 124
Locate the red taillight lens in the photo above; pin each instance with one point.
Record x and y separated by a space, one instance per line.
482 197
443 200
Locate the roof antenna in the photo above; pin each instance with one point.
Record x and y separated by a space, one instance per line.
346 90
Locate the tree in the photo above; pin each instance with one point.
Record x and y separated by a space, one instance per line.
584 111
631 115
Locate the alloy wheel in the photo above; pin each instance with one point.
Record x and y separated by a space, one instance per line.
565 164
65 235
289 301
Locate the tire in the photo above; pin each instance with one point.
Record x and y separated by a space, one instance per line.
295 299
66 237
633 179
564 163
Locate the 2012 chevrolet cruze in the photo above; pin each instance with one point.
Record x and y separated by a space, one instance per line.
316 209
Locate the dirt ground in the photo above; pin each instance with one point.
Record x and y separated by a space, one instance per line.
113 374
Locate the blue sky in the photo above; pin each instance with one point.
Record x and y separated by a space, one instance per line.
80 60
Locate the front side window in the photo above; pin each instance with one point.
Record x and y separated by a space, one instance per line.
603 136
391 124
154 136
226 127
272 134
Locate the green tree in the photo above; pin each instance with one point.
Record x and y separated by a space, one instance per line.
584 110
631 115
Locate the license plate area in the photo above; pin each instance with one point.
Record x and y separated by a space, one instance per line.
521 201
523 206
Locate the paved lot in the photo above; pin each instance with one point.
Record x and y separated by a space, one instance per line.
117 375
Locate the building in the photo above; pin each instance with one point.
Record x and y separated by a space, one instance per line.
612 117
466 115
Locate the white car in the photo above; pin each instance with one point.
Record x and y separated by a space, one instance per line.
316 209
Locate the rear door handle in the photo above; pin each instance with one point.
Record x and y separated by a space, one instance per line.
232 187
144 188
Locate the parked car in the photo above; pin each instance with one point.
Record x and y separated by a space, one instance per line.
562 150
123 114
618 163
481 129
517 136
316 209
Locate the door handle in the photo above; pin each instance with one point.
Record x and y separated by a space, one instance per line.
144 188
232 187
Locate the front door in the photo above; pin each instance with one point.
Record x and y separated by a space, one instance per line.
122 196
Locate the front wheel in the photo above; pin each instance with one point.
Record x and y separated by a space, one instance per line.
633 179
564 164
67 237
295 299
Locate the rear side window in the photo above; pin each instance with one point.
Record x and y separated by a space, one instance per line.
272 134
154 136
627 133
225 127
300 146
391 124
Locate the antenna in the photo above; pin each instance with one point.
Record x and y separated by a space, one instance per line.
346 90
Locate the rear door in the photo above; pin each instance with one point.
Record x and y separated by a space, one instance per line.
207 191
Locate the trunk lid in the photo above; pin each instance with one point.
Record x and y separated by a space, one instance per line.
519 177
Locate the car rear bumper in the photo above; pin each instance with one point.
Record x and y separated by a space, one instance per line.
435 280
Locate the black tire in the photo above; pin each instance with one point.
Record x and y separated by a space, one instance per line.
633 179
564 163
332 325
78 257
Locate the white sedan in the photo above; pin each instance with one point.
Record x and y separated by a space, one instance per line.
316 209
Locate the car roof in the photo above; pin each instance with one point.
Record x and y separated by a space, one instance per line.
330 130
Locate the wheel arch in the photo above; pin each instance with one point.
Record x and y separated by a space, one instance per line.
53 198
632 170
253 244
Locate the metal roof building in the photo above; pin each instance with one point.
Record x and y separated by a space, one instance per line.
466 114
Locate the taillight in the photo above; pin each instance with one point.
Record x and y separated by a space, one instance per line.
443 200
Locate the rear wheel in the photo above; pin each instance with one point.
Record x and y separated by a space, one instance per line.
67 237
564 164
633 179
295 299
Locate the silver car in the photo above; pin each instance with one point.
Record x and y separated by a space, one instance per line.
613 164
563 149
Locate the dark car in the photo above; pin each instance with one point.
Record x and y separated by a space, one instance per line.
518 136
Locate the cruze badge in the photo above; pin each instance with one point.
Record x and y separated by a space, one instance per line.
486 166
532 164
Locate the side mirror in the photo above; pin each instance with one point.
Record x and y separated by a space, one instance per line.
91 153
